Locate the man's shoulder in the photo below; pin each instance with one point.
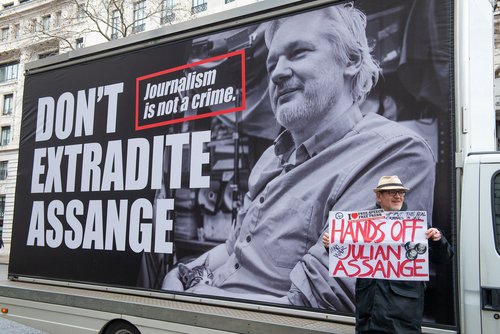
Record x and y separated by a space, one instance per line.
266 160
384 126
268 155
390 132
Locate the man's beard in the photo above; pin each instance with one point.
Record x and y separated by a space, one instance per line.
310 107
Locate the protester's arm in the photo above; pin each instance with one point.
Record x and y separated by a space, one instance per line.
326 240
440 250
433 234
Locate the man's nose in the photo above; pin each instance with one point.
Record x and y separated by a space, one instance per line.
281 71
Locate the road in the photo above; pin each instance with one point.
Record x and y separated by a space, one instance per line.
10 327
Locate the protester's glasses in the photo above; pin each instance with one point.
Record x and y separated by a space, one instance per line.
401 193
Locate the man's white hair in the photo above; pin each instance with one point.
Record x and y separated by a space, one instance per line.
345 26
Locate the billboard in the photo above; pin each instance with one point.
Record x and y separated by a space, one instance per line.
209 165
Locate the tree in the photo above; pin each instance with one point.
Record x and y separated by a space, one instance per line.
113 19
106 19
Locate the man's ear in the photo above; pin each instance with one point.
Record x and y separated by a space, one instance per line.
377 196
353 65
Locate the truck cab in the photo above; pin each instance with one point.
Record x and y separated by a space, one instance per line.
479 244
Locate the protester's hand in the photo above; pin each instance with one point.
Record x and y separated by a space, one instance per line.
172 282
433 233
326 239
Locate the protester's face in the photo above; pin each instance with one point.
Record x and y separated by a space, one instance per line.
305 79
390 200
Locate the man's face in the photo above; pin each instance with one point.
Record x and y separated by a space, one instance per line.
305 79
391 200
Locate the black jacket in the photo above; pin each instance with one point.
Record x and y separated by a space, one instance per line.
395 306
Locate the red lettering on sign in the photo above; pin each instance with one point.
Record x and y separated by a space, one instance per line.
340 267
417 268
412 225
357 231
396 236
386 269
336 229
368 267
353 264
400 229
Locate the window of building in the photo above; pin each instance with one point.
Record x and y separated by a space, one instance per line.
80 10
139 16
46 23
3 169
5 136
79 43
168 14
5 34
58 19
199 6
34 24
115 24
2 208
8 72
8 5
17 30
228 1
8 101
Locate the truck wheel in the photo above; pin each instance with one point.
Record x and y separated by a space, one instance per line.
121 327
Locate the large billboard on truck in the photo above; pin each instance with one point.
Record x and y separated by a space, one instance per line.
209 165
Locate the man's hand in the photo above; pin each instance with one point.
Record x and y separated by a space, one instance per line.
433 233
326 239
172 282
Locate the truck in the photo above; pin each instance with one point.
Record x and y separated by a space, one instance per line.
137 157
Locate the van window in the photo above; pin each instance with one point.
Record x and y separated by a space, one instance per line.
496 201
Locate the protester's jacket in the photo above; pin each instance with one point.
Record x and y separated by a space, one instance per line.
395 306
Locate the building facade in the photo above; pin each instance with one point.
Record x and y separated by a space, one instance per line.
35 29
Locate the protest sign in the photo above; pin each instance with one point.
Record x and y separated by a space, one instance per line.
379 244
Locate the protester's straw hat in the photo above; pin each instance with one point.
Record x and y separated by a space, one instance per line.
390 183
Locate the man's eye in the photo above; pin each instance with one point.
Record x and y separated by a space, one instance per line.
298 53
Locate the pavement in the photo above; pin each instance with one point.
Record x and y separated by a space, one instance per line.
4 254
4 258
7 326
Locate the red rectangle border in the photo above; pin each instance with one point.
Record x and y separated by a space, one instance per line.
240 53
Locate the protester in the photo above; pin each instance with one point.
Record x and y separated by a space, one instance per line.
1 233
393 306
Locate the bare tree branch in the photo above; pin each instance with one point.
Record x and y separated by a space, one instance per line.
109 19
